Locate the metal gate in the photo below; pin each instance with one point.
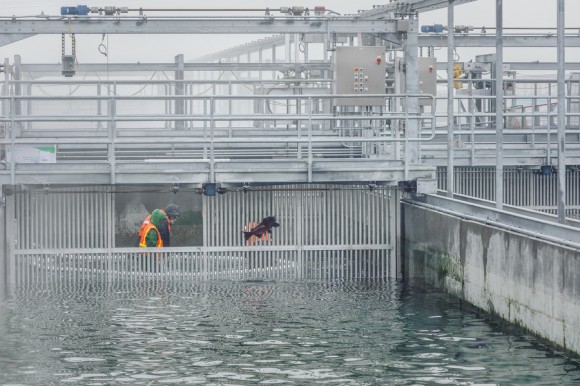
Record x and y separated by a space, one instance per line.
326 232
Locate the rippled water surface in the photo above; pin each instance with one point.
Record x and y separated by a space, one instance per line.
244 333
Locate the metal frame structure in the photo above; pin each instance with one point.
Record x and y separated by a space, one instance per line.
235 120
326 232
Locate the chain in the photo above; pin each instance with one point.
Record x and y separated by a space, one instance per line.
74 45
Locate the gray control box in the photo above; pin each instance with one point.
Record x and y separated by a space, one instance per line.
360 70
427 72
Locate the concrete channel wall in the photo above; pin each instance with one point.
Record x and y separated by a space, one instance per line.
533 282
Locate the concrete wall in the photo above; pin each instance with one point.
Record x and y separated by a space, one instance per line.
528 281
3 250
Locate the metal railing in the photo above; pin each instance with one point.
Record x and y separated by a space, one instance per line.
523 187
325 232
114 129
198 264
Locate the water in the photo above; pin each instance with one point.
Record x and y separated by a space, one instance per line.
245 333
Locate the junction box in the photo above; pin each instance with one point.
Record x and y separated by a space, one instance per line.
360 70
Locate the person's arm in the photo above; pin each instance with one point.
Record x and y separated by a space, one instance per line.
164 232
151 239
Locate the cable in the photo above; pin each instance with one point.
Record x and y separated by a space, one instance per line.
102 47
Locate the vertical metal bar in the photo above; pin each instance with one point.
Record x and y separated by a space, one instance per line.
412 88
450 101
299 219
10 245
471 118
499 104
212 148
309 138
205 237
35 218
561 115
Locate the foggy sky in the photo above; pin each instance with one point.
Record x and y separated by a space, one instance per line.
162 49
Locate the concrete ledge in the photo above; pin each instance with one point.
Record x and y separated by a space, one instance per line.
531 282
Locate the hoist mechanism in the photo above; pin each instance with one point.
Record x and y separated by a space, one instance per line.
69 62
84 10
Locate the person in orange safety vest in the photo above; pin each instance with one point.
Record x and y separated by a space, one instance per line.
155 230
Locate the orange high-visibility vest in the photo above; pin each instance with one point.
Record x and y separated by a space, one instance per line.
146 230
148 221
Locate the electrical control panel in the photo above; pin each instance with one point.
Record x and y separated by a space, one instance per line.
427 76
360 71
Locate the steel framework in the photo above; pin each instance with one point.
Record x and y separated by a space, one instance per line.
239 118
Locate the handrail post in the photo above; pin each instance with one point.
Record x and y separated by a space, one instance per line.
112 135
299 132
309 139
12 141
211 136
406 141
471 117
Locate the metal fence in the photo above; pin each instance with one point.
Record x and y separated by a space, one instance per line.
198 264
325 232
523 187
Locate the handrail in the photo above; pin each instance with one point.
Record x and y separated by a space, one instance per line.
217 128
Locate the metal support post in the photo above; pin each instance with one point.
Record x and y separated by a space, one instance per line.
412 88
309 139
471 118
99 105
5 93
561 116
179 90
17 75
450 142
10 234
212 145
3 247
112 133
288 45
499 105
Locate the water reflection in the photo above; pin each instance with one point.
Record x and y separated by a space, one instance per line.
354 333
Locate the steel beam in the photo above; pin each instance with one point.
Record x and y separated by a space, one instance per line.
255 25
408 6
474 40
7 38
51 68
531 66
218 67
